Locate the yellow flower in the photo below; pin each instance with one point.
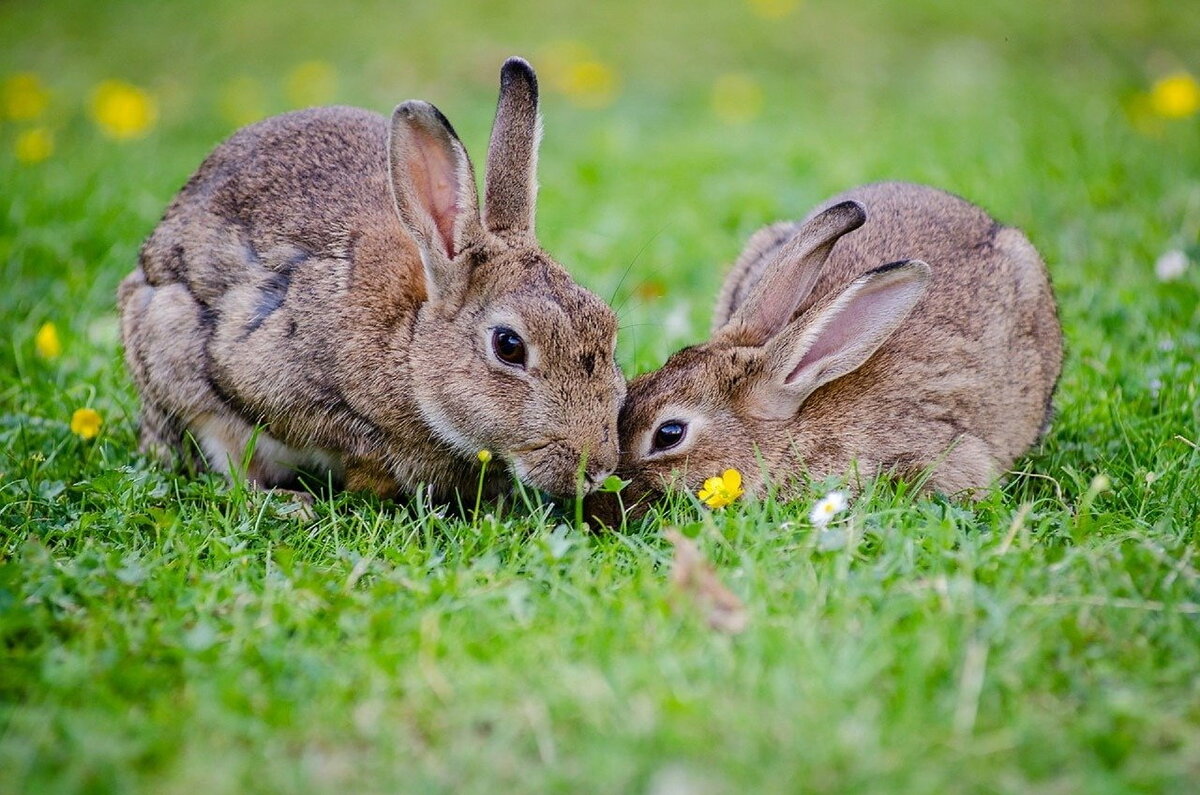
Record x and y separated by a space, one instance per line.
85 423
25 97
311 83
736 98
485 456
720 491
574 70
1175 96
591 84
46 342
34 145
123 111
773 9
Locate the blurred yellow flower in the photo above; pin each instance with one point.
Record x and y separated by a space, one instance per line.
122 110
721 491
311 83
46 342
736 98
242 101
773 9
591 84
25 97
574 70
485 456
1175 96
33 145
85 423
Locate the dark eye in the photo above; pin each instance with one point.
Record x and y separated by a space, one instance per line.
669 434
509 346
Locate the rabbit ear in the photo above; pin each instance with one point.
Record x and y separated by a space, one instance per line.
511 184
789 277
836 340
434 189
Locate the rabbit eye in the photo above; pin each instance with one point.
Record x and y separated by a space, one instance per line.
669 434
508 346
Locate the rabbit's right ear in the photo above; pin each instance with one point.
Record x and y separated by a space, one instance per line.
790 276
433 185
836 339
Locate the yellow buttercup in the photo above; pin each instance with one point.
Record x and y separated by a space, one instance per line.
721 491
85 423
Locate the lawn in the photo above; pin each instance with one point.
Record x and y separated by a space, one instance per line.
168 633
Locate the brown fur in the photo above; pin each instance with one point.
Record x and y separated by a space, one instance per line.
331 286
959 387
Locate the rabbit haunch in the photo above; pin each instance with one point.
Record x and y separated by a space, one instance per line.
326 291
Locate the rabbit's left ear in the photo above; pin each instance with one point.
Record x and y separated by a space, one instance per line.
835 340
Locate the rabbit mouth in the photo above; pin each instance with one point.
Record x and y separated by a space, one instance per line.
555 467
544 474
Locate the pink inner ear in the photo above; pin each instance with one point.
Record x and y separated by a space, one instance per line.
435 181
858 327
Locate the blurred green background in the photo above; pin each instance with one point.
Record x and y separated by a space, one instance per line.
673 130
170 633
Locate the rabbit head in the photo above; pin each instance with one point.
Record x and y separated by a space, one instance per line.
734 401
508 354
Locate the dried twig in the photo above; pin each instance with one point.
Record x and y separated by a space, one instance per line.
694 577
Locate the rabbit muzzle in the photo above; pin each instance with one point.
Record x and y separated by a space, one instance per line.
561 468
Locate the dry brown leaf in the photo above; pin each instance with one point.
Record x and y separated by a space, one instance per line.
695 579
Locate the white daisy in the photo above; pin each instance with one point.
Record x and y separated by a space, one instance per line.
1171 265
828 507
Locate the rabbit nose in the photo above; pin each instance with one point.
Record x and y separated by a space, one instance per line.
594 475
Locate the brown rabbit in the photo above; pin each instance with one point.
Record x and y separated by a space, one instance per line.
820 359
325 293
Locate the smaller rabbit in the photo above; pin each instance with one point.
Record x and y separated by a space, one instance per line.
325 294
938 366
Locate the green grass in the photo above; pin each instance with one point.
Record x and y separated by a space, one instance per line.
170 634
